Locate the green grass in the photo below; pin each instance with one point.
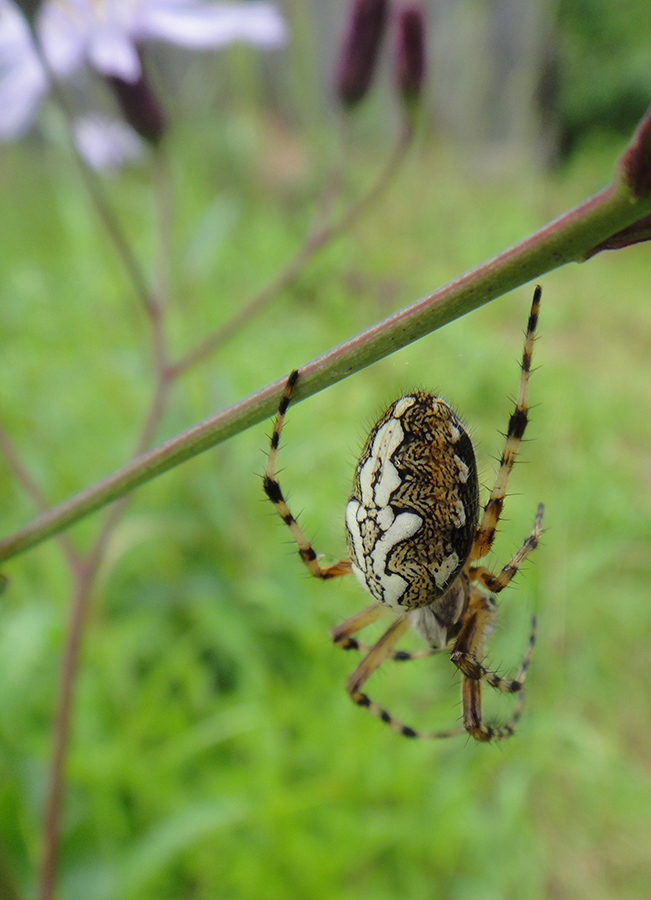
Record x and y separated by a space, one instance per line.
215 752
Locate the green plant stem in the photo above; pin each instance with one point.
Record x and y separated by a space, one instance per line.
569 238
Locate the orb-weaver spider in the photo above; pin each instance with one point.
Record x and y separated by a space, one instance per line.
415 539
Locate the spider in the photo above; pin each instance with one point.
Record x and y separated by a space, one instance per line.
415 540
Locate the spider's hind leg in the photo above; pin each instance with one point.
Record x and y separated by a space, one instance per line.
465 659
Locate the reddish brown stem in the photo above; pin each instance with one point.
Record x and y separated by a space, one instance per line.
82 582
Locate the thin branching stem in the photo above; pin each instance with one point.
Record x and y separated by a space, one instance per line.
155 303
24 477
333 181
84 576
67 680
85 571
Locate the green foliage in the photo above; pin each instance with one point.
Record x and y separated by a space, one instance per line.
603 56
214 751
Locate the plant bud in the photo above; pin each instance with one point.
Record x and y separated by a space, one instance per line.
366 27
140 107
410 53
635 163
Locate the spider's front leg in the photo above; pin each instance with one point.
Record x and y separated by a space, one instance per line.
515 432
497 583
274 493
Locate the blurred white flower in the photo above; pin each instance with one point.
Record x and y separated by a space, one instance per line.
106 144
22 79
105 33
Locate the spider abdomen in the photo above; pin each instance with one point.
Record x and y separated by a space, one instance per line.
412 515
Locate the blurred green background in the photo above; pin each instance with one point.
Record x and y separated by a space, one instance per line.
214 752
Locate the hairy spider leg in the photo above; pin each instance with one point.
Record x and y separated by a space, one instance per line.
341 634
471 690
517 424
379 652
497 583
274 493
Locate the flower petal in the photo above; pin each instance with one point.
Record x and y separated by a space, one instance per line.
76 31
62 32
22 79
113 53
106 144
196 24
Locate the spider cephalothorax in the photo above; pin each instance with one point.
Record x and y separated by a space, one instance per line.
414 538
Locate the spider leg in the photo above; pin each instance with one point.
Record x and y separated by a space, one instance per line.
466 662
497 583
471 701
274 493
517 424
472 715
469 645
341 634
404 655
379 652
